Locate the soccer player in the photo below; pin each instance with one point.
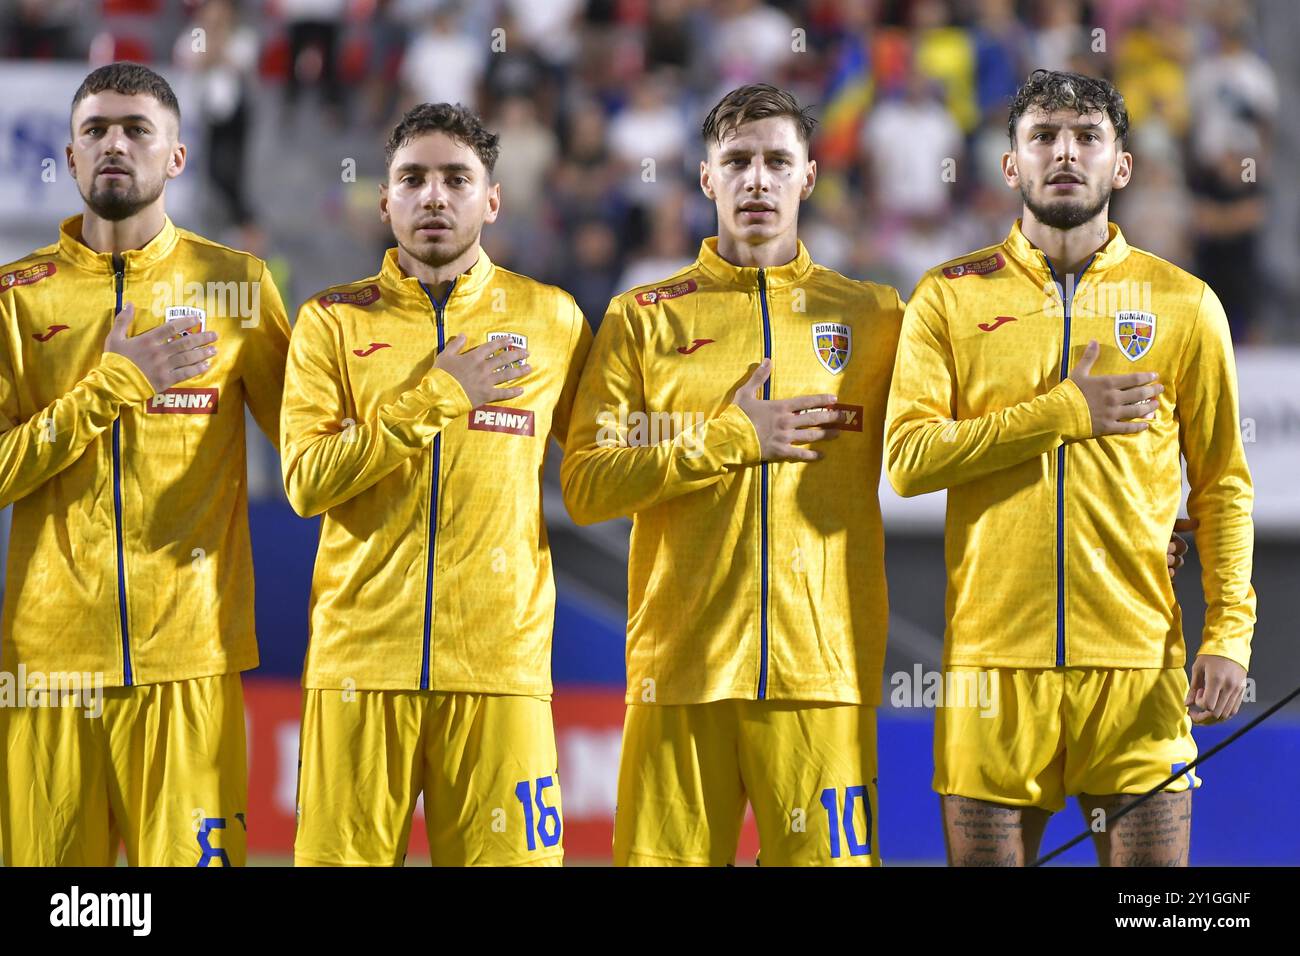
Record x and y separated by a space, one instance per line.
1051 384
129 562
418 405
756 584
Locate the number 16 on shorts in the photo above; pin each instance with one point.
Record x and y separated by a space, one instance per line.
541 822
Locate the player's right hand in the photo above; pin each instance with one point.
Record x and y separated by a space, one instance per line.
163 354
785 424
1118 403
483 368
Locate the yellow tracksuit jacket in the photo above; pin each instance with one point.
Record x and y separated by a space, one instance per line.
433 570
746 579
129 552
1056 541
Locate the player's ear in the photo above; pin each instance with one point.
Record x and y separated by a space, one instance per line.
176 162
706 186
72 162
809 180
383 203
1123 170
1010 172
493 203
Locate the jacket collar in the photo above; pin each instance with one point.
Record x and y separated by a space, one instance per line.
78 253
468 284
773 276
1114 251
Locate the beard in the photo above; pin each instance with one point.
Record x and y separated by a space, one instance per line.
1066 215
113 203
439 254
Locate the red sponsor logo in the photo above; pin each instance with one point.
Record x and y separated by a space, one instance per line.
50 333
184 401
365 296
976 267
1000 321
698 343
499 418
374 347
651 296
27 276
851 416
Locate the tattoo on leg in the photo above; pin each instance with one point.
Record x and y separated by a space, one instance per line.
979 833
1158 833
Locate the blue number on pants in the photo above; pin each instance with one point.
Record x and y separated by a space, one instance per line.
548 818
830 800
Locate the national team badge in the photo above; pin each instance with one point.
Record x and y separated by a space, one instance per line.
512 340
199 316
833 344
1134 332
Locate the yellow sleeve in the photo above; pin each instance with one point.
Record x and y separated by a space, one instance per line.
264 358
1221 493
327 455
602 476
36 449
926 449
579 348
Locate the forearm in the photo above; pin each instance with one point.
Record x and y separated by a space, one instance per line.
56 436
609 479
330 467
926 454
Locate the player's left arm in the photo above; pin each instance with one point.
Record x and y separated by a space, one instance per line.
264 358
579 348
1220 501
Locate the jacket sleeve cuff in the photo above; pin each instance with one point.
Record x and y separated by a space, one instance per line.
444 394
732 438
123 379
1076 417
1234 649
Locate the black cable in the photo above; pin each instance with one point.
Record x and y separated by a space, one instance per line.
1161 786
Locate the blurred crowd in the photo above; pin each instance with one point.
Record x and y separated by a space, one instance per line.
599 105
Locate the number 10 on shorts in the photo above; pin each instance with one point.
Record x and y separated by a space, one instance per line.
831 801
547 819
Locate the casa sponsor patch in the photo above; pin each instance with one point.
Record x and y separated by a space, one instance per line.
500 418
651 296
976 267
833 344
1135 332
199 316
27 276
184 401
368 295
513 339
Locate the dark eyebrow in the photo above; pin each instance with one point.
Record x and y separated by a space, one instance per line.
411 168
110 120
735 153
1043 124
456 168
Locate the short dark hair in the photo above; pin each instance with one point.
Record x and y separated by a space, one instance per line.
1052 90
128 79
459 122
754 102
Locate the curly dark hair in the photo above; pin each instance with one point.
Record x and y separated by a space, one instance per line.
128 79
754 102
1053 90
459 122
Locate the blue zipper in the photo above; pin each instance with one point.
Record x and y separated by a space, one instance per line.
438 309
119 280
763 587
1060 467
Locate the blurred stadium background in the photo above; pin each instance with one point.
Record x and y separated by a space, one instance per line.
286 105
